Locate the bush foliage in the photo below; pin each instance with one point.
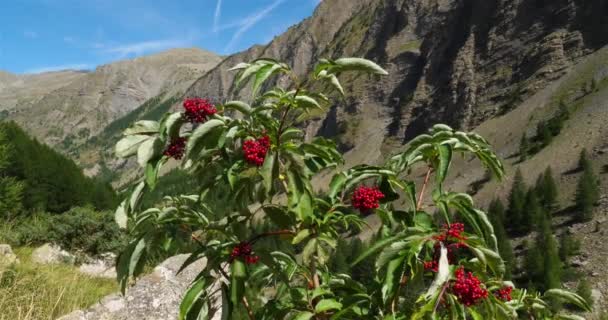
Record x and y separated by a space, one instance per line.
269 236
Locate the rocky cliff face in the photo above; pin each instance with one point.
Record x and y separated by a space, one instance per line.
456 62
66 108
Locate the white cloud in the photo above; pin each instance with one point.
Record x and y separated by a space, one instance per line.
251 21
67 39
140 48
30 34
81 66
217 15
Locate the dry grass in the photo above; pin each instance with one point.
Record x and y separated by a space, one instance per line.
38 292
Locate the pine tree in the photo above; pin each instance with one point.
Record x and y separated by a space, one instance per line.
568 246
534 266
517 199
497 217
587 195
584 290
534 213
547 246
583 161
546 190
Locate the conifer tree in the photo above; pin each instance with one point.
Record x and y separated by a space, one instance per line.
584 290
544 133
583 161
564 112
546 190
534 266
517 199
568 246
587 195
497 216
533 214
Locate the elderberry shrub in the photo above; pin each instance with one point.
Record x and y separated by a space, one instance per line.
433 257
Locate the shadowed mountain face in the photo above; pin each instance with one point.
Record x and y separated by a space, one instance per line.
66 108
456 62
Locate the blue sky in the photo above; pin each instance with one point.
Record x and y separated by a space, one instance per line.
48 35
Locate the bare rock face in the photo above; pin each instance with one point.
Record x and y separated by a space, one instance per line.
52 254
7 257
102 267
153 297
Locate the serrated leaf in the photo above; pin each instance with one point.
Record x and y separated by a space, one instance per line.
445 158
263 74
148 150
189 308
128 145
120 216
136 196
327 304
142 127
200 132
267 171
303 234
173 125
359 64
569 297
240 106
303 315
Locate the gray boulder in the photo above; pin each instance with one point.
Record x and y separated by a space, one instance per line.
153 297
52 254
7 257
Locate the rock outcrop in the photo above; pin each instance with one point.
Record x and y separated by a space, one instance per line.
52 254
7 257
154 297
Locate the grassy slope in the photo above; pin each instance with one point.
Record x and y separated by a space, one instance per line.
30 291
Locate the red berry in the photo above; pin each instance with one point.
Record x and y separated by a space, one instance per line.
504 293
467 288
198 110
366 198
176 148
255 150
245 251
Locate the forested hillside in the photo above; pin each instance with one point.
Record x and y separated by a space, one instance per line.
34 177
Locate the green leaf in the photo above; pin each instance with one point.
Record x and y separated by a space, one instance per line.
240 106
333 81
306 102
120 216
445 158
309 249
279 216
149 149
200 132
569 297
326 305
136 196
227 306
237 282
268 170
303 315
128 145
189 307
303 234
377 246
291 134
173 124
263 74
299 195
359 64
142 127
336 184
393 276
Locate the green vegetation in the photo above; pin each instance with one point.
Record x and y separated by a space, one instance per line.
30 291
496 212
79 229
34 177
517 199
584 290
587 191
545 132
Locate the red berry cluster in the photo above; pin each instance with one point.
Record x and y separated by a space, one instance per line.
504 293
452 232
198 110
366 198
255 150
467 288
176 148
244 250
452 238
